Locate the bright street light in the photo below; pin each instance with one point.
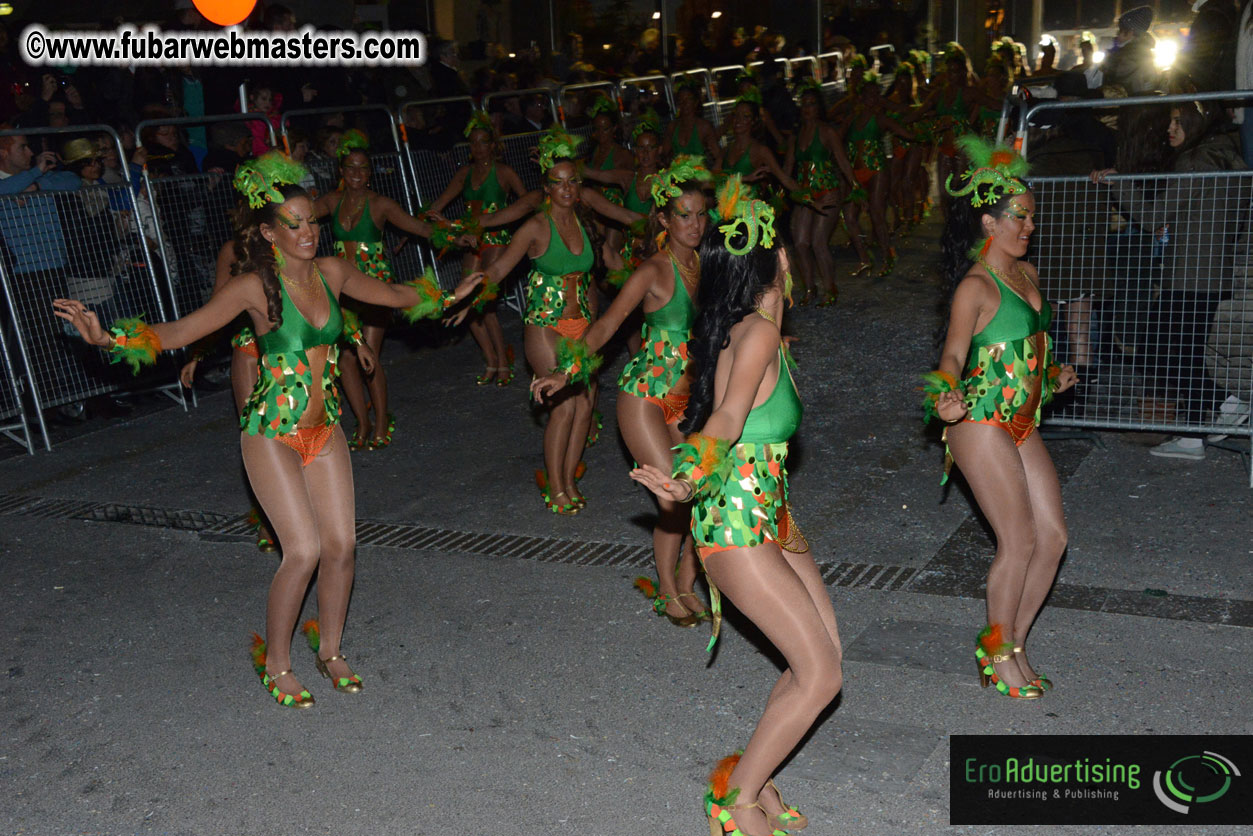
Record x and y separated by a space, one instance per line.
716 15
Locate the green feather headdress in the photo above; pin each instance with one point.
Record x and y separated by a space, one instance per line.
555 145
689 82
480 121
649 122
746 74
857 61
994 172
809 84
685 167
349 141
740 212
602 104
259 179
751 95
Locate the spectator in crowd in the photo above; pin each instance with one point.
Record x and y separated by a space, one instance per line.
262 99
167 156
446 78
1209 53
230 143
32 232
1199 257
1244 78
1048 56
1130 64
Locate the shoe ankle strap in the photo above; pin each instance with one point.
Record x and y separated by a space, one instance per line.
274 677
337 656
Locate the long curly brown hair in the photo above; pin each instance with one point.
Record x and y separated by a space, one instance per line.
254 254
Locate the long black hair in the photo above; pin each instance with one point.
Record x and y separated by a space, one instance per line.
254 254
731 286
962 229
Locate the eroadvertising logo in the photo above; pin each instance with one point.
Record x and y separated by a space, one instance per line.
1107 779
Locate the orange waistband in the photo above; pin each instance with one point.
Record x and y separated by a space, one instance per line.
308 441
573 329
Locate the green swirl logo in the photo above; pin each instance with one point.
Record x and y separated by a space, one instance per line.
1194 779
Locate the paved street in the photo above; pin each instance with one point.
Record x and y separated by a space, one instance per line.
514 680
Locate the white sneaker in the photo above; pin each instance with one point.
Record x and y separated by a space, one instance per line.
1232 413
1180 447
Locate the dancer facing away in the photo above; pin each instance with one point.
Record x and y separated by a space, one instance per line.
495 182
358 216
294 453
995 373
558 300
734 470
653 388
816 150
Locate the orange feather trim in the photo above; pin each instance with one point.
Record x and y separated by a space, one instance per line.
720 778
992 639
258 653
645 585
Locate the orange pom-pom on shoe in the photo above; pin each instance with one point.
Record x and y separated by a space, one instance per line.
720 777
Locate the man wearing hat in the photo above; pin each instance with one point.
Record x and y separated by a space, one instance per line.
1129 64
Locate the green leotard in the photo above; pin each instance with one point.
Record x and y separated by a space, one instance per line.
692 146
744 165
362 245
1008 363
613 194
489 197
956 114
746 511
284 375
633 201
865 145
554 276
815 168
662 358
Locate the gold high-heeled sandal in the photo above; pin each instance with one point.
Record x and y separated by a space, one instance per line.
718 808
1042 682
791 818
350 684
702 613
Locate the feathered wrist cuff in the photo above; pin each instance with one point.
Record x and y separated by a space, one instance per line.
432 301
488 293
704 463
352 328
576 361
133 342
936 383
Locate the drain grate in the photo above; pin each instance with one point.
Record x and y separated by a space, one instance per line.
226 527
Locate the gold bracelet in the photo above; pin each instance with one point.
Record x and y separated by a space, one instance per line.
691 487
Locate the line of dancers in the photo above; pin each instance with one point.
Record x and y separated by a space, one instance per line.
707 405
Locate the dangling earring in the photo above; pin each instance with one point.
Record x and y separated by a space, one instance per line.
787 287
279 261
980 250
661 240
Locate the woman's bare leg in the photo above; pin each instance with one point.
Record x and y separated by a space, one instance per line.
541 354
313 511
1078 324
997 476
650 440
243 381
878 189
802 237
1050 541
824 226
580 424
782 594
852 220
352 384
378 381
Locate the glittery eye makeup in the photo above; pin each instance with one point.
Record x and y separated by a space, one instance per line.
573 181
1017 213
292 222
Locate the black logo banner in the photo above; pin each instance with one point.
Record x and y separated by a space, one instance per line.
1101 779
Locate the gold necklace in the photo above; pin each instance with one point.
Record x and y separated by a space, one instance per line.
765 314
689 275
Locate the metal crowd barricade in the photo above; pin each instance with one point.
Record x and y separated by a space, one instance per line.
787 66
718 78
192 219
572 118
434 159
796 70
1162 335
12 415
831 74
389 176
642 92
708 95
85 243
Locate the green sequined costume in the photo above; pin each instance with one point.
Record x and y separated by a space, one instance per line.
751 505
488 197
555 276
815 167
285 377
655 372
362 245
